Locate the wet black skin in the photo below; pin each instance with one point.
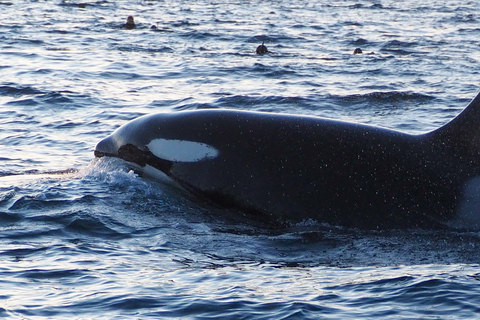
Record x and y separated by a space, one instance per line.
291 168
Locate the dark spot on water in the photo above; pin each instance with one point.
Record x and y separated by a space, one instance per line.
261 49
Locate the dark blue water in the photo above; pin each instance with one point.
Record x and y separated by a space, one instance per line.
83 238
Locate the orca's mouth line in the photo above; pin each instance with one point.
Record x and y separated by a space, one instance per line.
131 153
100 154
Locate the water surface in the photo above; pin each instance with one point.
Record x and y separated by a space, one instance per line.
84 238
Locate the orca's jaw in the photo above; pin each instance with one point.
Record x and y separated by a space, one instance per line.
100 154
132 153
127 152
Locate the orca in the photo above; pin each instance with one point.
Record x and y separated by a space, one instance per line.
293 168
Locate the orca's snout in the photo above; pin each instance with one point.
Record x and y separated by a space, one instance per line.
106 148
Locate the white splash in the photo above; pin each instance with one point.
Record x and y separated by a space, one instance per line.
181 150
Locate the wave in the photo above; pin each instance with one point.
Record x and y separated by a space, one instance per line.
83 5
257 103
17 90
297 104
384 97
30 97
136 48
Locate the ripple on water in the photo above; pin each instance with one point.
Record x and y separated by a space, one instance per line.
17 90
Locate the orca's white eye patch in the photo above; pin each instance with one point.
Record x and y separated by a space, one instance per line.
181 150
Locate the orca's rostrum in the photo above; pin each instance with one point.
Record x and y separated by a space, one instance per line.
292 168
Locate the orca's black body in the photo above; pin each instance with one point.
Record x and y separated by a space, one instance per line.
299 167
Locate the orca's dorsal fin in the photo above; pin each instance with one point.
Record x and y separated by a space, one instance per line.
462 134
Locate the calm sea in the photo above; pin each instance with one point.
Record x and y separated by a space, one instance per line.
88 239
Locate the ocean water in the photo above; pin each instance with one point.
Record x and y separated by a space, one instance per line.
83 238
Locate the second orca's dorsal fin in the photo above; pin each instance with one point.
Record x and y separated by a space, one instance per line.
462 134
